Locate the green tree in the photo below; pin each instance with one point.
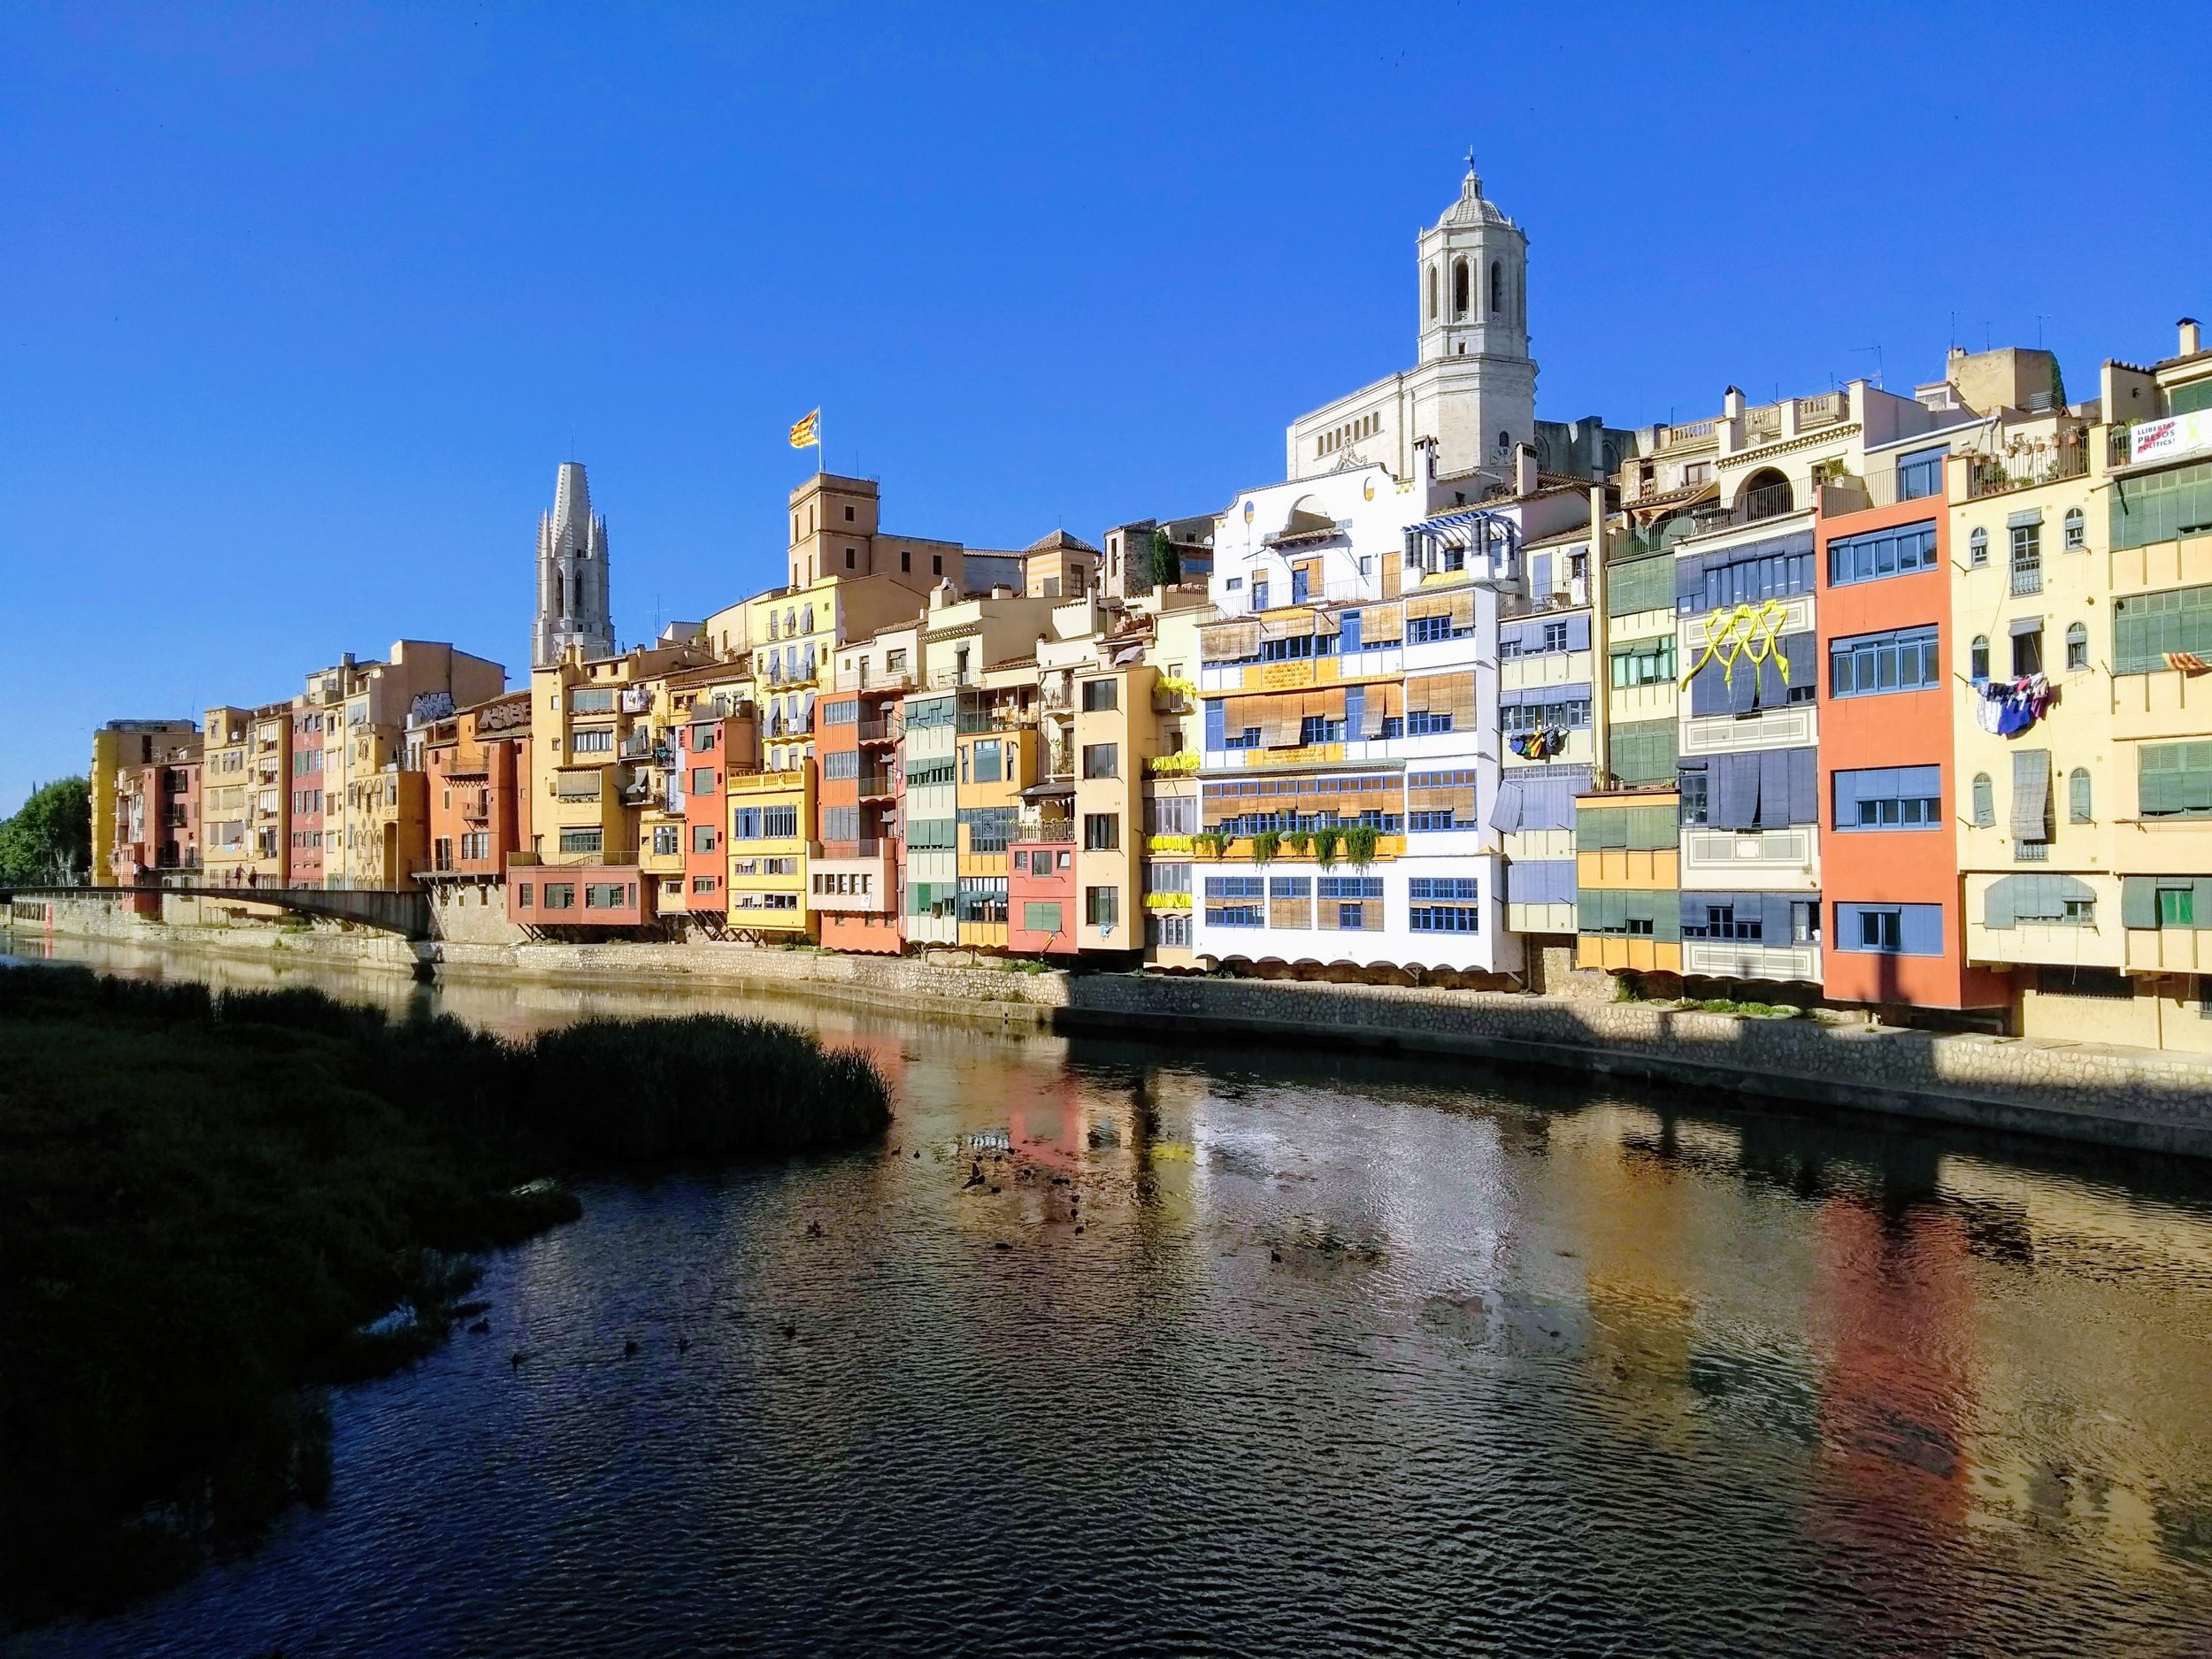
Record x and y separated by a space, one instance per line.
1166 562
49 842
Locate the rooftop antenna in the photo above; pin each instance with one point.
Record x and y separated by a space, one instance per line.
1877 349
1985 335
2040 317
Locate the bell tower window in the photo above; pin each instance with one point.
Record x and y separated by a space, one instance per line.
1497 287
1459 288
1432 293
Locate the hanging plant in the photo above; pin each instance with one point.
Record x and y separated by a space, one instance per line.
1325 842
1265 845
1300 843
1359 845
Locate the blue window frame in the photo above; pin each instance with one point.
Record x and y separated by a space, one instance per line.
1349 886
1444 904
1921 473
1889 798
1428 630
1874 664
1421 723
1236 901
1318 728
1259 594
1890 930
1419 822
1899 551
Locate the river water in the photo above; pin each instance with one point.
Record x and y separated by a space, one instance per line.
1265 1353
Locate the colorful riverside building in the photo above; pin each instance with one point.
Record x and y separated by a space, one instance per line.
1351 675
478 799
1889 779
855 865
593 775
144 790
1730 503
2087 830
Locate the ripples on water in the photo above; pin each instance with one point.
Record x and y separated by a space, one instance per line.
1341 1360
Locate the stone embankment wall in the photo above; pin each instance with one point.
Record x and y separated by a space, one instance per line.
2131 1097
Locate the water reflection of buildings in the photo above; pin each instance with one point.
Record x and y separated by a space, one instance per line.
1894 1303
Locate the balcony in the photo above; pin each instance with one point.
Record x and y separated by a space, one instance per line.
883 730
1044 831
882 683
861 882
1767 501
611 859
1761 860
1728 959
876 786
1695 434
2000 475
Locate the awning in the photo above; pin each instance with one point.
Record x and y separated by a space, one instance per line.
1049 790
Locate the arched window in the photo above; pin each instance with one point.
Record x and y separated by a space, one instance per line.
2078 796
1977 548
1978 658
1985 802
1497 287
2077 530
1432 293
2077 646
1459 287
1765 494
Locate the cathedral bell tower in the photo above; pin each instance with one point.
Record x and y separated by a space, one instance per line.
572 601
1474 329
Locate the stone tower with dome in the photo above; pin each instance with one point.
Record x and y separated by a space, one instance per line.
1471 392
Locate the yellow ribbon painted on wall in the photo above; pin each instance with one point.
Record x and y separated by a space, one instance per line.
1747 631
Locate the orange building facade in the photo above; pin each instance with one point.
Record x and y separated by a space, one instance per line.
1888 781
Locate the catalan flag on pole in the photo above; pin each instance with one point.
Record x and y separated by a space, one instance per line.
808 432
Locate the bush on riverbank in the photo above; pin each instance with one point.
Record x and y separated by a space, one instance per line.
204 1199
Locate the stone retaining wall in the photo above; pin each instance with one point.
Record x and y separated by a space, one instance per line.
2131 1097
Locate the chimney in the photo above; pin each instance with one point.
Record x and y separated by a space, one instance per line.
1523 470
1732 403
2192 337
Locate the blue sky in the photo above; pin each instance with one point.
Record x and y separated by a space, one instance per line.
302 305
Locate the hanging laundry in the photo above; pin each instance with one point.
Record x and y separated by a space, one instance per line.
2188 661
2009 706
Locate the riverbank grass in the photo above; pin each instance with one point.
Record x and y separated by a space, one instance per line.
211 1207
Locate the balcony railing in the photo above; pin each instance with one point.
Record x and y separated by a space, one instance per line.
882 730
1768 501
878 783
867 847
1997 475
1045 831
850 680
611 859
1695 434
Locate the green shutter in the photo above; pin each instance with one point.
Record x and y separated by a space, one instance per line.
2138 901
1997 902
1634 584
1643 751
2161 506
